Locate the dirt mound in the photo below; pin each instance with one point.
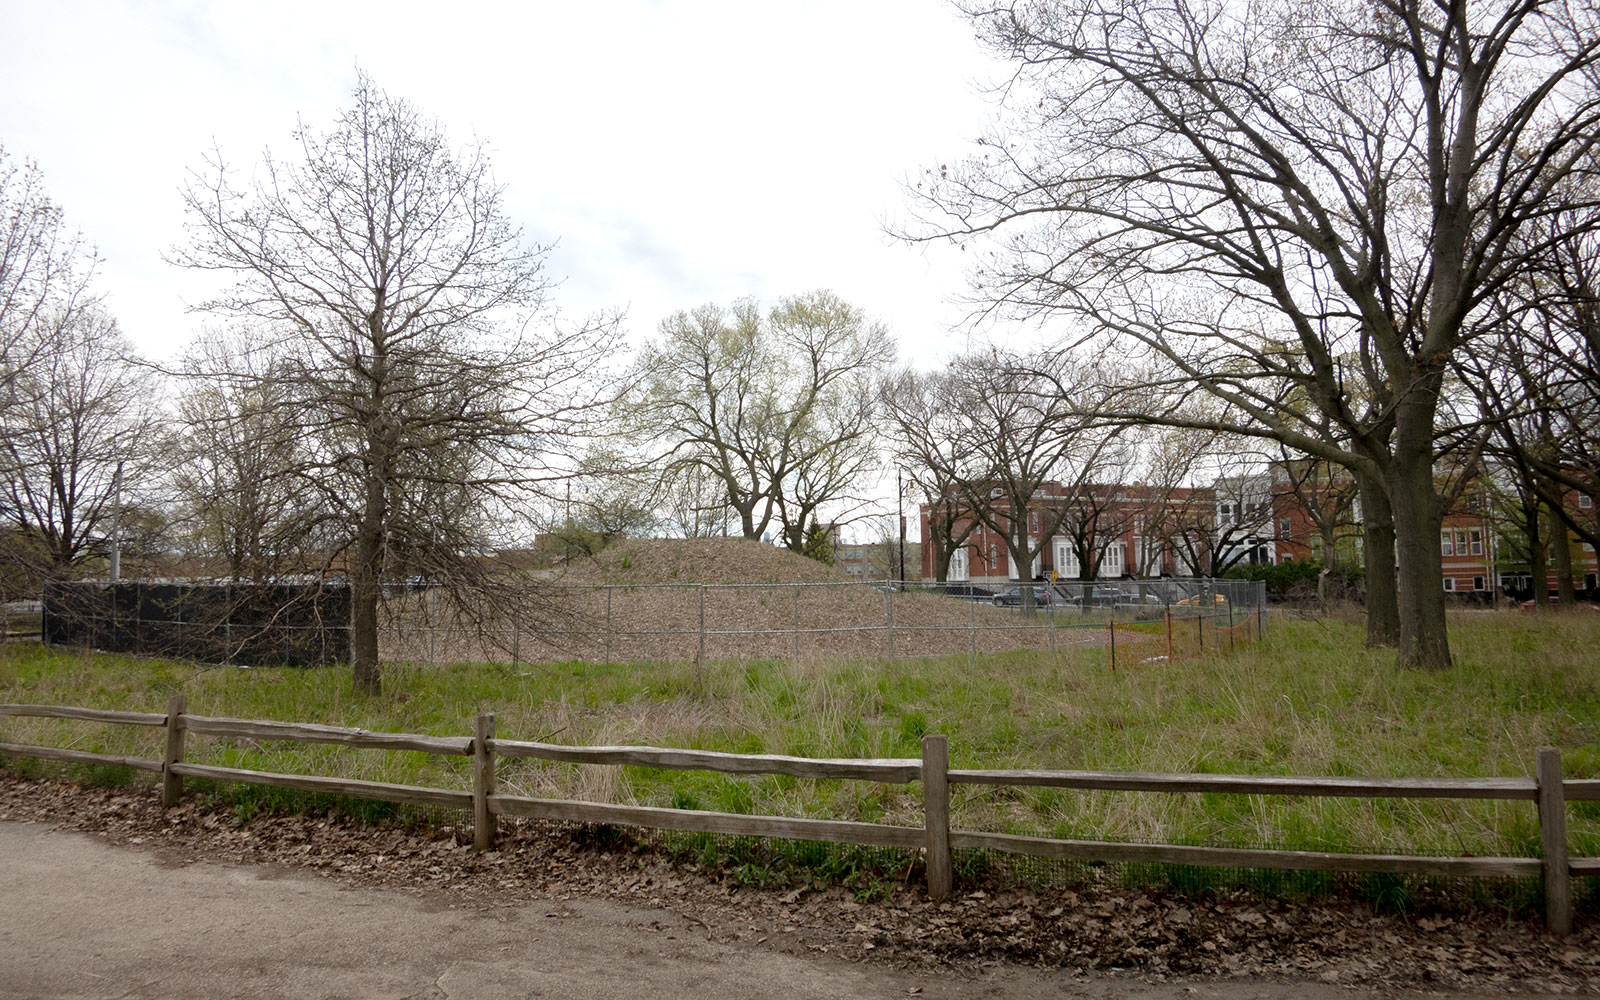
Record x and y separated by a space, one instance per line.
636 561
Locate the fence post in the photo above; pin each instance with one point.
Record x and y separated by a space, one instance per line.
1169 636
1230 626
1553 837
972 625
483 821
1050 624
1200 632
700 653
888 620
797 622
608 626
936 813
1111 645
172 784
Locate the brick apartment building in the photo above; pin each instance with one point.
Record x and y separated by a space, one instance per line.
1107 531
1113 531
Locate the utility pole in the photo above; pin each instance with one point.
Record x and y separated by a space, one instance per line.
900 508
116 524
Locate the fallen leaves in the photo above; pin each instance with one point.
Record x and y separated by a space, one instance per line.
1155 936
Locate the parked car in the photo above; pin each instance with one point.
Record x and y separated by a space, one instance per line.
1042 597
1110 597
1201 600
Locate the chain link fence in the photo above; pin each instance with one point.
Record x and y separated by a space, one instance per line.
1134 620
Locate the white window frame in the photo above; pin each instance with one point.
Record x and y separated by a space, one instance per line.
1447 544
960 564
1066 559
1111 562
1450 584
1585 501
1478 583
1477 543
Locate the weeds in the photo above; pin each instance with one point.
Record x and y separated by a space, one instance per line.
1308 699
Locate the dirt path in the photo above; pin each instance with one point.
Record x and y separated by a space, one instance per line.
104 894
82 918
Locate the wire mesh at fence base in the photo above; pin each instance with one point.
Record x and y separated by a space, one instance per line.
294 625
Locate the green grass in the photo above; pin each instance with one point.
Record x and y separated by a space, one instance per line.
1306 700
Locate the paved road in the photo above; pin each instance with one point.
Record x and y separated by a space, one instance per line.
81 919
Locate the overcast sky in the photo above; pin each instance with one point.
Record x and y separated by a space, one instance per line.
679 153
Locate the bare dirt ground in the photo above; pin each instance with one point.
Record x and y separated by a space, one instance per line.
309 905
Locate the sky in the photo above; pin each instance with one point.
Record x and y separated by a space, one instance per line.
674 153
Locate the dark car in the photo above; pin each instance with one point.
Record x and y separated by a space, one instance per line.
1042 597
1109 597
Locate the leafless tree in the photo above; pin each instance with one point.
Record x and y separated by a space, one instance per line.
239 485
78 437
1024 430
436 393
1268 194
933 448
777 409
44 270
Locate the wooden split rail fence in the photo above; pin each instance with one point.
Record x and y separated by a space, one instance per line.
1548 790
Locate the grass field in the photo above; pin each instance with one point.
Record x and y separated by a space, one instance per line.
1307 700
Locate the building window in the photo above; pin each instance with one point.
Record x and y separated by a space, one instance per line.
1033 522
959 565
1450 584
1585 501
1477 583
992 564
1477 546
1447 547
1286 529
1111 565
1066 559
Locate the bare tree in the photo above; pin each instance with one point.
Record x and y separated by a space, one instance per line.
932 446
778 409
239 484
695 502
44 271
435 392
79 435
1269 195
1024 431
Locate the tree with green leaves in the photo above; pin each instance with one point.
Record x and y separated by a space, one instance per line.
778 410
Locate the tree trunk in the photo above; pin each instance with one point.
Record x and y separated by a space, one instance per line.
364 586
1377 531
1561 562
1424 641
1538 564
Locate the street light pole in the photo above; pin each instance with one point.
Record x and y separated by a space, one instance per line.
900 508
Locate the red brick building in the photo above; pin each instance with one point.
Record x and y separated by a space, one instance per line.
1109 531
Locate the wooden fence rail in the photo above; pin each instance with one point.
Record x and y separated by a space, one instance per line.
1547 789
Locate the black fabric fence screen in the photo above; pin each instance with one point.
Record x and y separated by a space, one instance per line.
264 625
